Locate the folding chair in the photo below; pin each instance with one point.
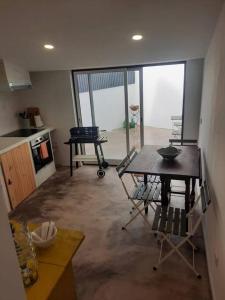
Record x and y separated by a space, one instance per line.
172 221
142 193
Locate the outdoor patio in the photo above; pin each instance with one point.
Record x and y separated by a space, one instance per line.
162 107
115 148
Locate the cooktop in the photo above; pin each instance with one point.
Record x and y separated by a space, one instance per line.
22 132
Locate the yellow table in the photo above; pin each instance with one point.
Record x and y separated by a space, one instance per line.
55 274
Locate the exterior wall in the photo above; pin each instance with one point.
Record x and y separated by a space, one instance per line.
163 94
212 142
163 88
193 93
52 93
109 106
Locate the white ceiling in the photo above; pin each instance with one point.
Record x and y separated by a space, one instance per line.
96 33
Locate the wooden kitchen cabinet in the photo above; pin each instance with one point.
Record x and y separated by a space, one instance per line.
18 172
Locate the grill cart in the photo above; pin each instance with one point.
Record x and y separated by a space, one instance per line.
87 135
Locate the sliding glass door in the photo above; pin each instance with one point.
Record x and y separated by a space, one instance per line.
131 106
102 100
135 109
109 111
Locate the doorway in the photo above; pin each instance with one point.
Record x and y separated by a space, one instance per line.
131 106
163 96
103 99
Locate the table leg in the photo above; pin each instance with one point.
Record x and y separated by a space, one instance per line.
98 157
71 159
164 191
187 199
145 202
187 195
192 197
145 179
193 182
169 186
76 153
168 189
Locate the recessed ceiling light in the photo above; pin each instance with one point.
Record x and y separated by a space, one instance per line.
49 46
137 37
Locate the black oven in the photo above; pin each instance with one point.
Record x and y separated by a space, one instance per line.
41 151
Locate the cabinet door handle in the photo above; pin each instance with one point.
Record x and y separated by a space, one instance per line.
9 182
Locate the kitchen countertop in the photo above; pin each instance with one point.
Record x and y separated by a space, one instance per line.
54 282
8 143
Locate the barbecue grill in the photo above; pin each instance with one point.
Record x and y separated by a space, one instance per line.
87 135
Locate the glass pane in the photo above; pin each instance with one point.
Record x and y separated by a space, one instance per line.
84 99
109 107
85 107
134 109
163 102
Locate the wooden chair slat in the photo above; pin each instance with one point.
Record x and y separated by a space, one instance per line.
157 192
183 223
141 192
136 191
169 220
156 218
147 191
176 221
152 178
157 179
152 192
163 219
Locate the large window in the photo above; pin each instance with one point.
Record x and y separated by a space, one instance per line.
131 106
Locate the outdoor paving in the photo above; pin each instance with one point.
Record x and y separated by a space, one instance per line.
115 148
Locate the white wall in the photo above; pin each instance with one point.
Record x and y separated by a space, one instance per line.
109 106
212 142
11 285
163 94
9 108
193 94
163 88
52 93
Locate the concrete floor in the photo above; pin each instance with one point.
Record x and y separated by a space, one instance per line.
113 264
115 148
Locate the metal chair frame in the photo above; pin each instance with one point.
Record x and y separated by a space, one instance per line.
193 226
139 188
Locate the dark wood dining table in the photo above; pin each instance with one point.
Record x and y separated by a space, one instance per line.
185 167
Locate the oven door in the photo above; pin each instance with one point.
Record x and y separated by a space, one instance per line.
42 154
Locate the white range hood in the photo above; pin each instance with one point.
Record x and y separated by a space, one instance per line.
13 77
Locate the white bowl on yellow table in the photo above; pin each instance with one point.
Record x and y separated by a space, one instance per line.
45 235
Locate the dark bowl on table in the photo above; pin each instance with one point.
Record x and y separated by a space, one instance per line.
169 153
